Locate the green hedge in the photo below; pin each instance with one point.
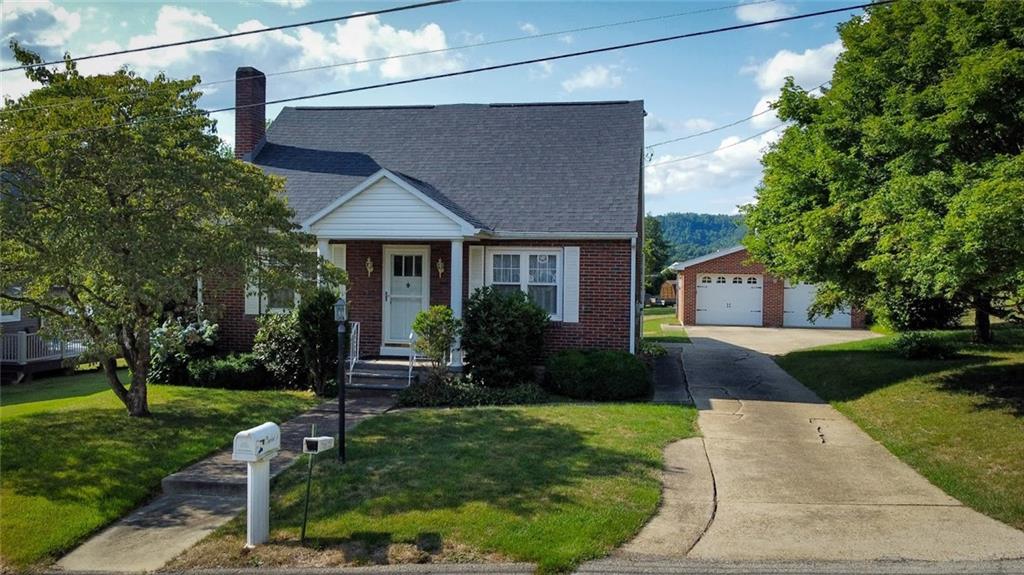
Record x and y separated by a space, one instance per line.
598 375
236 371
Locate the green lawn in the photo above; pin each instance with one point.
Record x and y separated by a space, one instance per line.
655 318
959 422
553 484
73 460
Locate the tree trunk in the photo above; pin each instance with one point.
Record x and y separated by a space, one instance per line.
138 393
982 323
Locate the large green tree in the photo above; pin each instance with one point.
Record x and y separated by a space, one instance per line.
117 195
656 253
907 175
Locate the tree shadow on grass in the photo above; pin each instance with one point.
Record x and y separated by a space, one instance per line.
1001 385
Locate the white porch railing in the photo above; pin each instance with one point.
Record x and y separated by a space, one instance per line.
23 348
353 348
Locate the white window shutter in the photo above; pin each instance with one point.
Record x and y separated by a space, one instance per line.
252 301
571 281
476 268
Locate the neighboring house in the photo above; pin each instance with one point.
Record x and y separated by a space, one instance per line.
727 288
424 204
24 351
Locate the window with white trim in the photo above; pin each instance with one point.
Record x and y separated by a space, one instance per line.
537 273
9 313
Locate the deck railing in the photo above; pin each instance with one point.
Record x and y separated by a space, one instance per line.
23 348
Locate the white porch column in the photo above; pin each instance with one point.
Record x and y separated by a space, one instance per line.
456 300
323 249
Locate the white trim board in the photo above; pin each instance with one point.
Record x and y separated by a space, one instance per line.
680 266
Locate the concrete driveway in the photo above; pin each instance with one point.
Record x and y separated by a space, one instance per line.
795 480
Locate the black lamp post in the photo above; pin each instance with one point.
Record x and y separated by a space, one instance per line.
341 316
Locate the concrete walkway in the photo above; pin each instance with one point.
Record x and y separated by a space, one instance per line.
201 498
795 480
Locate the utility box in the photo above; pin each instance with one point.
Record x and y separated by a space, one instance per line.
260 442
256 447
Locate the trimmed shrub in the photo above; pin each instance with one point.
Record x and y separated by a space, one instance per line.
235 371
463 392
651 349
602 375
436 329
278 346
318 335
174 344
502 337
919 345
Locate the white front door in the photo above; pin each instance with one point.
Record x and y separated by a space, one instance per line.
406 290
729 299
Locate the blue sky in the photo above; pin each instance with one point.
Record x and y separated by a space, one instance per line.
687 86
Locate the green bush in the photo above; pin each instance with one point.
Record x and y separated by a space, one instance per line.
502 337
919 345
436 329
278 346
651 349
463 392
174 344
236 371
899 310
597 375
318 336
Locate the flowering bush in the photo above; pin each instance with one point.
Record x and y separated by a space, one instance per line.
174 343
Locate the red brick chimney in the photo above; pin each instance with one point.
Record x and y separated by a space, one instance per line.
250 120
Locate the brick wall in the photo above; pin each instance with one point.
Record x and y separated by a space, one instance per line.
251 115
773 304
224 301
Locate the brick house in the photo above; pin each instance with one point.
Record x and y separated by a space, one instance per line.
423 204
728 288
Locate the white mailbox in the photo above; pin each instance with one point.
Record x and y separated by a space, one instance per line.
317 444
256 447
260 442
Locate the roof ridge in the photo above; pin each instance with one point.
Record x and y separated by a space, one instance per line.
473 104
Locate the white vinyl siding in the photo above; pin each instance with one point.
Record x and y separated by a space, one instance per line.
476 268
386 211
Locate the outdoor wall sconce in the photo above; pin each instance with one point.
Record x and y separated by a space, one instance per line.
369 267
440 268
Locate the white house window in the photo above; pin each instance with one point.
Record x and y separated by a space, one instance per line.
737 280
7 313
751 280
720 280
705 280
280 299
537 273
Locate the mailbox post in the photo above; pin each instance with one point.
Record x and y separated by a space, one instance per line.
256 447
341 316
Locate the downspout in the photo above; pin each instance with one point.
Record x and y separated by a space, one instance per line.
632 295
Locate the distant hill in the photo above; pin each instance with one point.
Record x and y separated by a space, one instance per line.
693 235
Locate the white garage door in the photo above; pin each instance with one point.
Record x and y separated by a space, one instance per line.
725 299
798 298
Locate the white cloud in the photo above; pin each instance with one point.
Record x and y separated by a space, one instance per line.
40 23
763 11
731 164
698 124
529 28
290 3
653 123
567 39
541 70
593 77
809 68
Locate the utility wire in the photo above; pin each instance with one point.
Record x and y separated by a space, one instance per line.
409 54
724 126
709 152
490 68
235 34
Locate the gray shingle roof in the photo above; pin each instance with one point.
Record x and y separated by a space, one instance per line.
504 167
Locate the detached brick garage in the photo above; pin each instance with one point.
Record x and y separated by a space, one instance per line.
726 288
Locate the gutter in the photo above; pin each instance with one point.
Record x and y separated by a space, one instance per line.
632 296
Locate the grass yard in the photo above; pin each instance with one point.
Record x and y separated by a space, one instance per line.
74 461
959 422
554 484
655 320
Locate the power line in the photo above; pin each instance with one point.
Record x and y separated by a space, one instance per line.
724 126
709 152
234 34
494 67
411 54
